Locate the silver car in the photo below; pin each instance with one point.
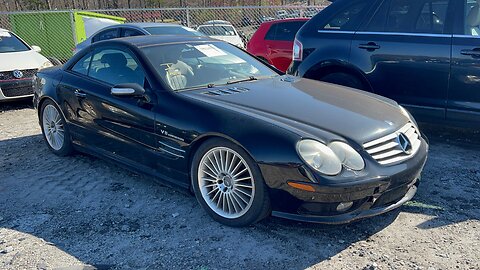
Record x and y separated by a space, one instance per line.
137 29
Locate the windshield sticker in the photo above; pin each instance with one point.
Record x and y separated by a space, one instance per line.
210 50
4 34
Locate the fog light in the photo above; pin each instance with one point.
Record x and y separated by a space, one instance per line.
344 206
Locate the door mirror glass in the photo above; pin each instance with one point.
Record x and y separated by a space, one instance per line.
128 90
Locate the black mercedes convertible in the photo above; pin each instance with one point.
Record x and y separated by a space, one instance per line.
245 139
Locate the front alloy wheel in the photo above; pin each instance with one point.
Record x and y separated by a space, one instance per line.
228 184
54 129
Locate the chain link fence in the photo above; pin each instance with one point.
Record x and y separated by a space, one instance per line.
58 32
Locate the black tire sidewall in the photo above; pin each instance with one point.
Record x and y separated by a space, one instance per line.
67 144
260 207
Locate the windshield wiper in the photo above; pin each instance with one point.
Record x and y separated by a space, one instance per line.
251 78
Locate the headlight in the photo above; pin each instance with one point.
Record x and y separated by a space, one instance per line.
347 156
330 159
319 157
47 64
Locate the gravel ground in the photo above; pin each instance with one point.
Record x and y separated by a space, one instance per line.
81 212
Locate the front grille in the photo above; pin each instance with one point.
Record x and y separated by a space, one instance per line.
18 91
389 150
8 75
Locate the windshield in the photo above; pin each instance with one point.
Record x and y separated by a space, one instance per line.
217 30
206 64
173 30
10 43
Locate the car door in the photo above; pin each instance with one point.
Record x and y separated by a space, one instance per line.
279 43
464 93
119 127
404 51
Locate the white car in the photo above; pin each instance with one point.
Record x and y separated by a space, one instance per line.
19 62
222 30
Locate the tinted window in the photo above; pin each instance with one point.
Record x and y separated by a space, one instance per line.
472 18
10 43
115 67
271 32
284 31
432 17
172 30
107 34
131 32
411 16
217 30
82 65
348 18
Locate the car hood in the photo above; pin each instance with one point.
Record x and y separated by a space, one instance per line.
302 104
21 60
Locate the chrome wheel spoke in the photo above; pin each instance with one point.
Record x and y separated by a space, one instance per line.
226 182
53 127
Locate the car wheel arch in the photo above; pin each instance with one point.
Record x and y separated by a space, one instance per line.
42 101
329 67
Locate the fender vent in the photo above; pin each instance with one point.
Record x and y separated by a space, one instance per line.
226 91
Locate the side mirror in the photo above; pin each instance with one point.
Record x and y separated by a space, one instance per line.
36 48
127 90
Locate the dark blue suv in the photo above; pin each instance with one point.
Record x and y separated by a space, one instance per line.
425 54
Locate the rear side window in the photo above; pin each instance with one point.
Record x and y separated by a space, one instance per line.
131 32
107 34
285 31
82 65
410 16
348 18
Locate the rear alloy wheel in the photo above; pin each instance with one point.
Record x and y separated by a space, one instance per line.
344 79
54 129
228 184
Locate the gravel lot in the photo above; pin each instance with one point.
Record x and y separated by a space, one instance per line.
81 212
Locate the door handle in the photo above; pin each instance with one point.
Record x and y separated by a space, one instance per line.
371 46
473 53
80 94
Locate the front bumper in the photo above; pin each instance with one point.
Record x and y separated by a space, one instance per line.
16 89
381 189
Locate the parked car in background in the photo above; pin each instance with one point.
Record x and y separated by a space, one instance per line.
425 54
137 29
18 64
222 30
206 116
273 41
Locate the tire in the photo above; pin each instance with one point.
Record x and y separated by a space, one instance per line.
223 175
58 138
344 79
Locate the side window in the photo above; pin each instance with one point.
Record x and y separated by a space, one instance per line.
131 32
107 34
271 32
432 17
115 66
348 19
287 31
472 18
82 65
410 16
399 16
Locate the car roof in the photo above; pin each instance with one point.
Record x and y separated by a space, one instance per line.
146 24
152 40
4 30
215 22
286 20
